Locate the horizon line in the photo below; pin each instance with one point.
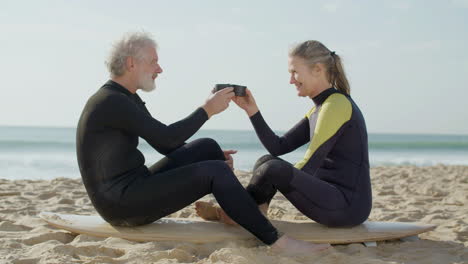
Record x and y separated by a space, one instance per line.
249 130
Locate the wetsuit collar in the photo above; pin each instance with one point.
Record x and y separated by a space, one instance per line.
117 87
318 100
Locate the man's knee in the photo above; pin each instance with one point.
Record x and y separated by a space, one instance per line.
207 143
209 148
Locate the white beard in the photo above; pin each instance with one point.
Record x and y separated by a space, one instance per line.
146 83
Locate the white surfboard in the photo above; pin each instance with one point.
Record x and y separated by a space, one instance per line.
200 231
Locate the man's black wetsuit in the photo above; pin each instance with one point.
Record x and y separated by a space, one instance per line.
331 185
127 193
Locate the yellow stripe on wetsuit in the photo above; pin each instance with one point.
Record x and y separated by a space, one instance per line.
334 112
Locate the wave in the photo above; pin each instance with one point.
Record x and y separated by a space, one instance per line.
34 145
419 145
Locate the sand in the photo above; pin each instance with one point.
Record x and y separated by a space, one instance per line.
435 195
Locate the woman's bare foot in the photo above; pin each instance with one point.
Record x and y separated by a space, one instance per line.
264 209
291 246
209 211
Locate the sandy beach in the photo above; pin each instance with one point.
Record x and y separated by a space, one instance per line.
434 195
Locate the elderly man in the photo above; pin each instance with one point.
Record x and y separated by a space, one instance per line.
127 193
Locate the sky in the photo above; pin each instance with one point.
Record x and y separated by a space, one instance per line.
406 61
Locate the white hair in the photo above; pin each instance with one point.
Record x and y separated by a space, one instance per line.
130 45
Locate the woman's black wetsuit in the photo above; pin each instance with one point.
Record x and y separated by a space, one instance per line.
331 184
127 193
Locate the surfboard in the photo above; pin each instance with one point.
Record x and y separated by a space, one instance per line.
200 231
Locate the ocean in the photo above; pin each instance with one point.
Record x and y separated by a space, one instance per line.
46 153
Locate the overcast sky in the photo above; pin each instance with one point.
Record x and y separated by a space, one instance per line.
407 61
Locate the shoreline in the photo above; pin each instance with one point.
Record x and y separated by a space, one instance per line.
433 195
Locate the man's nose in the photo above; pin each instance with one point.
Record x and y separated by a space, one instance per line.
159 69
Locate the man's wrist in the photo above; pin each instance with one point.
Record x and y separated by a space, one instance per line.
207 110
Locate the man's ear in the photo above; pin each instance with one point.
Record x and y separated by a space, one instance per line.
129 63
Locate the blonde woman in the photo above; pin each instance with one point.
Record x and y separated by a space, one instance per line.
331 184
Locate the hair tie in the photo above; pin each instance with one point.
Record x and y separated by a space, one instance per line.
332 53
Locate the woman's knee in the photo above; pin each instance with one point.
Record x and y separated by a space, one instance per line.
264 159
277 171
273 166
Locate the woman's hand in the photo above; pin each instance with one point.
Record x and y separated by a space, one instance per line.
247 103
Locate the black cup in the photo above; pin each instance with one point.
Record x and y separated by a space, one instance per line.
221 86
239 90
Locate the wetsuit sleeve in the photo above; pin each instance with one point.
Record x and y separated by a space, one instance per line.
335 112
276 146
126 115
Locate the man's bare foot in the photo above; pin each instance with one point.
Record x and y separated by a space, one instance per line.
292 246
209 211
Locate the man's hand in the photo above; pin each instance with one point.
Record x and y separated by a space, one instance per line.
229 158
218 101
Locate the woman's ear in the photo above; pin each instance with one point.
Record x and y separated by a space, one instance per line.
317 69
320 67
